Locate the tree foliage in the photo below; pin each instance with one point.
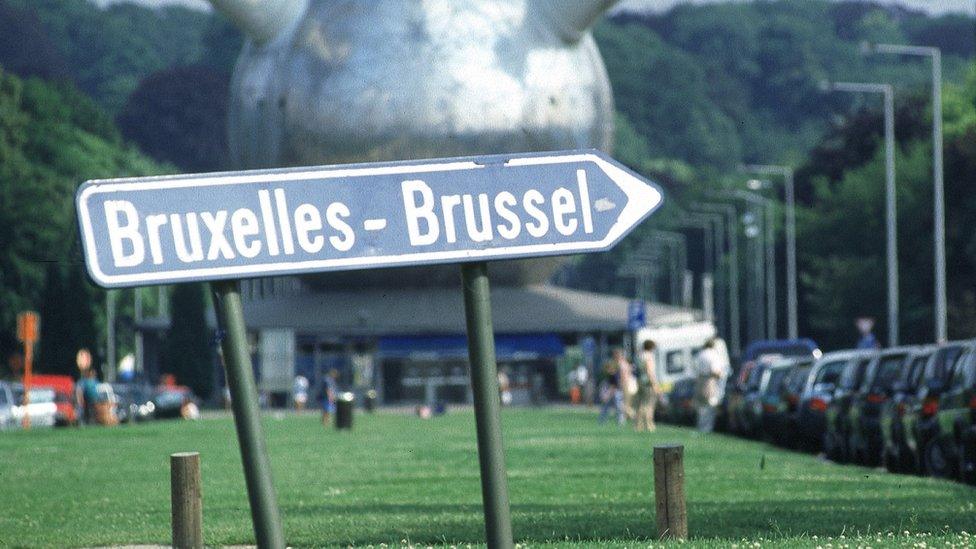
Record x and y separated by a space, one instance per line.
842 231
720 84
179 115
68 319
189 355
51 138
108 51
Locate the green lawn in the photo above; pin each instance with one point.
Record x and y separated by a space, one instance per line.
399 480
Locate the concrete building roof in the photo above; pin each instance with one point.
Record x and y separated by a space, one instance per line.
416 311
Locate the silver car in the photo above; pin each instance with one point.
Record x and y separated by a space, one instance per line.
42 409
7 403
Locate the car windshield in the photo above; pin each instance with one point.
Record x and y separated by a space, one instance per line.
39 395
169 398
775 382
888 370
914 376
830 372
854 373
798 378
940 364
755 377
964 372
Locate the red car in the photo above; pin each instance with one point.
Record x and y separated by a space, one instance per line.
64 396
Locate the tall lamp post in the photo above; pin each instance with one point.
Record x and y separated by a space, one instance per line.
790 199
767 263
711 226
727 211
938 190
678 245
890 210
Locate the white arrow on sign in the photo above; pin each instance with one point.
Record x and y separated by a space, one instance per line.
170 229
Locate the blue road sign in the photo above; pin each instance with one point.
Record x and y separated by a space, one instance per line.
161 230
636 315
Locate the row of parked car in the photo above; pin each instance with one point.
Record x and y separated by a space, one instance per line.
911 409
53 403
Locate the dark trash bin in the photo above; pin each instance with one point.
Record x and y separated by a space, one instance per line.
370 401
344 406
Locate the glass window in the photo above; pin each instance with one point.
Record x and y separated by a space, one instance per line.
675 362
830 372
42 395
964 375
915 372
798 378
887 371
851 378
776 379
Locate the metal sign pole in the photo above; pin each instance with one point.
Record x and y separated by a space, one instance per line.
247 419
484 383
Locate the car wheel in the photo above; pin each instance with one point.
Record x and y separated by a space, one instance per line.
907 461
829 448
967 462
940 459
854 454
890 461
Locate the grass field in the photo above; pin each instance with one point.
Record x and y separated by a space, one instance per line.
398 480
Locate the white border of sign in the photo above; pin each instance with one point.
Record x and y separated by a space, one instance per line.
642 199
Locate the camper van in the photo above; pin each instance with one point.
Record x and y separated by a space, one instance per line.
677 349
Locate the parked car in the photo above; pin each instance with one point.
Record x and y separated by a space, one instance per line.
7 404
745 381
895 455
768 410
168 401
64 397
792 392
864 438
41 409
948 453
744 408
919 422
681 408
838 424
133 402
818 391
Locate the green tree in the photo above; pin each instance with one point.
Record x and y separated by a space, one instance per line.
51 139
67 318
189 355
179 115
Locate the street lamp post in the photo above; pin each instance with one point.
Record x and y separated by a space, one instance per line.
764 263
890 209
678 246
731 234
791 276
938 189
711 226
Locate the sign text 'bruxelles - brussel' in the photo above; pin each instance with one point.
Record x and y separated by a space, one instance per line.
159 230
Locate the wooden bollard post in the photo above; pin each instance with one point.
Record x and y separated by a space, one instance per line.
187 500
669 492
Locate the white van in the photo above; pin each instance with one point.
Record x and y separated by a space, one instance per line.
677 349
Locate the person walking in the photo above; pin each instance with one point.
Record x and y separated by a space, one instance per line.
628 382
329 396
88 395
299 391
711 369
504 387
610 395
648 389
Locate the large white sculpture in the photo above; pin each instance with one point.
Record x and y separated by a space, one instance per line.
338 81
